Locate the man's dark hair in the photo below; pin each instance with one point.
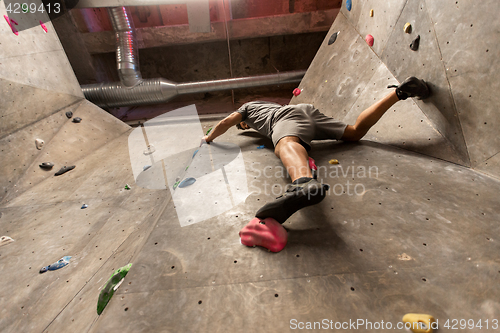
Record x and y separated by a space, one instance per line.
238 126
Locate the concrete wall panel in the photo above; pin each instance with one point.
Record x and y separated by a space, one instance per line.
404 125
426 64
490 166
338 72
23 105
36 58
46 232
354 14
468 32
29 41
19 150
48 70
381 25
72 143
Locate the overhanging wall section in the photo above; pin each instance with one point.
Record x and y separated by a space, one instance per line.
458 43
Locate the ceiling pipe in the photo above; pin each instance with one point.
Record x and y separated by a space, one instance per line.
127 56
158 91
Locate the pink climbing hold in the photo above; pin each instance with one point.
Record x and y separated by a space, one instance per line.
44 27
369 40
296 92
9 22
267 233
312 164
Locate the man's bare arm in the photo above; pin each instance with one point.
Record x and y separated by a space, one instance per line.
221 128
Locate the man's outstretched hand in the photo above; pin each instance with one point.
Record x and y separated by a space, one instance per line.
205 140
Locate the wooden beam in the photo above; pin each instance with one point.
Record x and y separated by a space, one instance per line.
104 42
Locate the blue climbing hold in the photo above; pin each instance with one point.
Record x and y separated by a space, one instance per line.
84 206
187 182
261 147
195 152
348 4
144 168
58 264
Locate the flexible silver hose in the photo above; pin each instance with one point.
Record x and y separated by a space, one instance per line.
127 57
157 91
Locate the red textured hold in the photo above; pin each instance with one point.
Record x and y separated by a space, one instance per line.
267 233
369 40
312 164
296 92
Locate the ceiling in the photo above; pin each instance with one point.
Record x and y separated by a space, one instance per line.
241 38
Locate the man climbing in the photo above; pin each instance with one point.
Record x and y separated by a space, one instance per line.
293 127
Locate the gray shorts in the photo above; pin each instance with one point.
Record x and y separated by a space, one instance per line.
307 123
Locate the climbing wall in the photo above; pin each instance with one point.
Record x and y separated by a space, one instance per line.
410 223
455 57
41 212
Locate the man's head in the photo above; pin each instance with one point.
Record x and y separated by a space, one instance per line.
242 126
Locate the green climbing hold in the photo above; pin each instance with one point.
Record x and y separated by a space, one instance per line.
110 287
208 130
127 187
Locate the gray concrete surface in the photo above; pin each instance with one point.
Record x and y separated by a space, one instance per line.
418 234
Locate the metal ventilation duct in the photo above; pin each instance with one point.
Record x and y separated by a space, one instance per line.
157 91
127 57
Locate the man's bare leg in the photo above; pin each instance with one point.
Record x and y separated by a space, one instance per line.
304 190
369 117
294 157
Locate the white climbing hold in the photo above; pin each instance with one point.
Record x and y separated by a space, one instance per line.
4 240
39 143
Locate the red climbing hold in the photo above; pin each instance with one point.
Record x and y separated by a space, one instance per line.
369 40
296 91
312 164
267 233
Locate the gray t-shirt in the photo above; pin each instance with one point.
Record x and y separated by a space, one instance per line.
302 120
260 115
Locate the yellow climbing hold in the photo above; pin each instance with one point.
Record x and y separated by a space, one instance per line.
333 162
326 81
371 12
419 323
407 28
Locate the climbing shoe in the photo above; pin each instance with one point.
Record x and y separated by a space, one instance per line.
412 87
301 193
